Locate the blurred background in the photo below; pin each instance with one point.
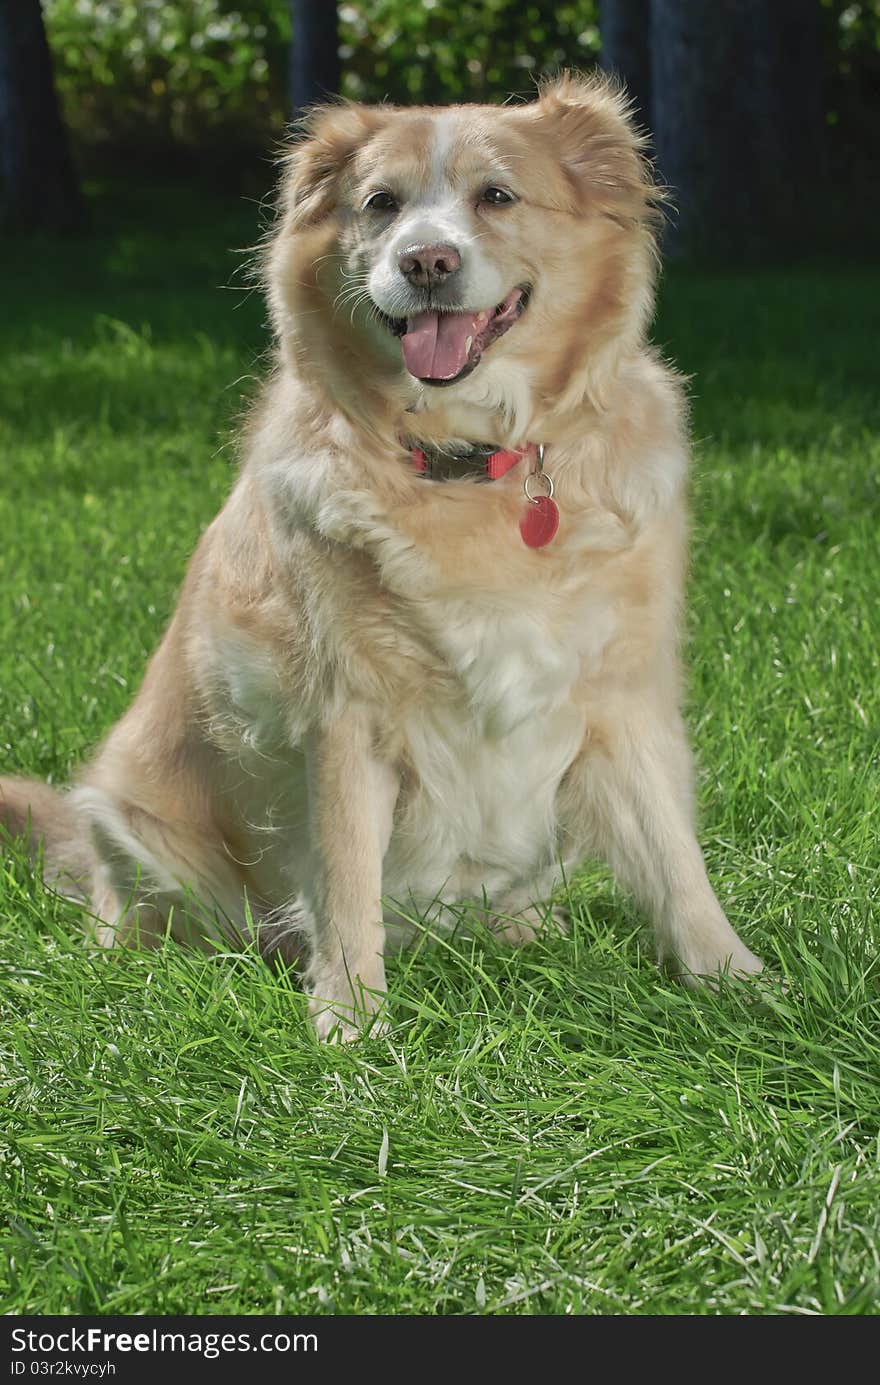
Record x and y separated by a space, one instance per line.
764 114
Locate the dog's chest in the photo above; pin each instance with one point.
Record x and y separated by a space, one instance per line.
483 749
513 658
485 758
506 663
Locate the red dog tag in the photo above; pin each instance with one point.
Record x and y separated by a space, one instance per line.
540 522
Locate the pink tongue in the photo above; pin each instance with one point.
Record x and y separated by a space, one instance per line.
436 345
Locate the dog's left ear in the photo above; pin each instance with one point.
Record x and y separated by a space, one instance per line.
330 137
601 148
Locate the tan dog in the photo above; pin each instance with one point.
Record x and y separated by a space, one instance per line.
391 684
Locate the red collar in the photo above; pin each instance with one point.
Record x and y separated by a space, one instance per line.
540 519
496 464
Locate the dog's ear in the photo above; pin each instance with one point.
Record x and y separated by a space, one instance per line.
601 148
329 137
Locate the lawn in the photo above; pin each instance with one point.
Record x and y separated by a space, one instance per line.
558 1130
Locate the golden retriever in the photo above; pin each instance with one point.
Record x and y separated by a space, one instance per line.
426 657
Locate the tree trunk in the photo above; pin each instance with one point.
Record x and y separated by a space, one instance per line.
625 29
38 187
737 119
314 52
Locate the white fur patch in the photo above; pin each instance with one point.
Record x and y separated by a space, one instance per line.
439 213
479 816
257 711
447 130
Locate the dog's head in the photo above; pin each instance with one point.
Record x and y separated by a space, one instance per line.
499 256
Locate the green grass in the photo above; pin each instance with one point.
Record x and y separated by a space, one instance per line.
555 1130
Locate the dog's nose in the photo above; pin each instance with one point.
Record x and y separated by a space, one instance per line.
426 265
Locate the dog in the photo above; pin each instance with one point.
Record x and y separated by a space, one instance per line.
426 658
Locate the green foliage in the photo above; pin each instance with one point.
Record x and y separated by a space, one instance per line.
852 88
202 73
858 25
136 73
441 51
211 75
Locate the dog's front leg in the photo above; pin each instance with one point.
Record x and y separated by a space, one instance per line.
627 799
351 806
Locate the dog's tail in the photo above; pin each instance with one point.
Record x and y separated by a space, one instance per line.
52 831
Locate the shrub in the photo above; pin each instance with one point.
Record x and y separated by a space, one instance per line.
212 74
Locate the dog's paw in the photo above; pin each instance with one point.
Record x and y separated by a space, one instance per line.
341 1014
332 1027
528 924
702 966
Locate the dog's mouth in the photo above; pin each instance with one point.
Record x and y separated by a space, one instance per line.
440 348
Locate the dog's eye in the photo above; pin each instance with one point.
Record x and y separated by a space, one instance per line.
497 197
380 202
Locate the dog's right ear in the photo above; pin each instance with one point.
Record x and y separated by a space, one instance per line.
330 136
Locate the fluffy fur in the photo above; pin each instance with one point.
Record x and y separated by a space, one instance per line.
373 697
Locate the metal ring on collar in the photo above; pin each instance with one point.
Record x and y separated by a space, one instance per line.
538 476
